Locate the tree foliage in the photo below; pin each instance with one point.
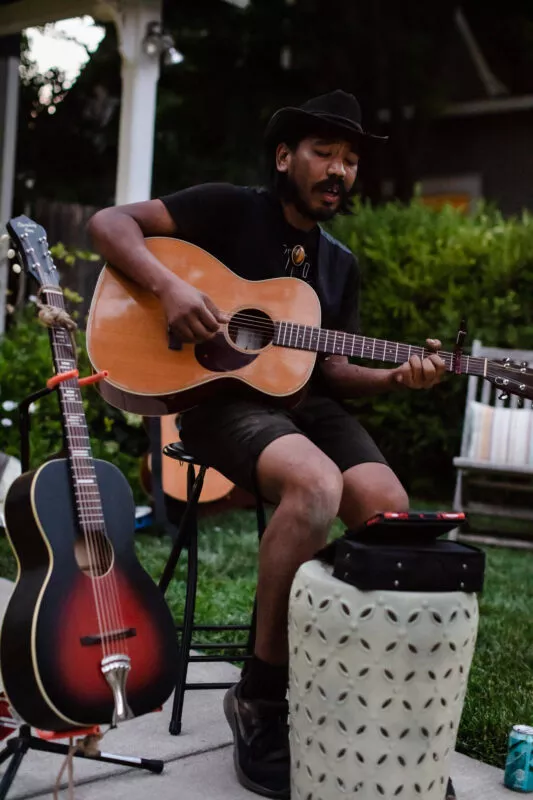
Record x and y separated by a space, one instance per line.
240 65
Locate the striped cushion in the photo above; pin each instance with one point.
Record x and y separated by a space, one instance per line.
500 435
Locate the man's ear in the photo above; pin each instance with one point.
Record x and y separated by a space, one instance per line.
283 157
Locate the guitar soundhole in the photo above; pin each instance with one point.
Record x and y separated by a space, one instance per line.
94 558
250 329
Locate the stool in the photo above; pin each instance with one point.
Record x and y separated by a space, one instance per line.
187 538
377 684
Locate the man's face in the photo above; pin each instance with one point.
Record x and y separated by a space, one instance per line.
319 175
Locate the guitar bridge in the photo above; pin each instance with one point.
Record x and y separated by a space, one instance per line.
104 638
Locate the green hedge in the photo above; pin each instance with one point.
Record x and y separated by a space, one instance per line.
423 271
25 365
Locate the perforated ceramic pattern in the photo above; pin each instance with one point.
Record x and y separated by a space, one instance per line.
377 685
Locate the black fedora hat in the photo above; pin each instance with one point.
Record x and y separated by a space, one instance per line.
335 113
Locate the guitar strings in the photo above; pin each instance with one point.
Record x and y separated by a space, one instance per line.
85 513
259 325
475 365
78 472
56 333
92 522
105 589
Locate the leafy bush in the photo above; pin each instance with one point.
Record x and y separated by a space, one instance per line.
25 365
423 271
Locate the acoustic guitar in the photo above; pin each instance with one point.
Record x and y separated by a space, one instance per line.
269 345
87 637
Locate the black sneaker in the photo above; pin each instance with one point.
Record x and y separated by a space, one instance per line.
450 791
261 743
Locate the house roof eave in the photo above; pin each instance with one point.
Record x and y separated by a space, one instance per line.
472 108
494 105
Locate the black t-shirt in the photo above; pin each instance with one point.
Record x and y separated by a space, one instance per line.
245 229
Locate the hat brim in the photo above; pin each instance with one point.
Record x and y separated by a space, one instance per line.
289 121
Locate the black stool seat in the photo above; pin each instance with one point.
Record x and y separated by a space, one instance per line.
177 451
187 539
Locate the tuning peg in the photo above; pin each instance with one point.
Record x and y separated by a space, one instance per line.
4 237
16 268
11 253
503 396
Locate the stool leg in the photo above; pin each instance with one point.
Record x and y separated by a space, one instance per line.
194 487
261 525
183 533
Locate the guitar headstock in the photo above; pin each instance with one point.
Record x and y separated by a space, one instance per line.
30 241
512 377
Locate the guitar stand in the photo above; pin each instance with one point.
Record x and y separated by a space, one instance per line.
17 747
24 406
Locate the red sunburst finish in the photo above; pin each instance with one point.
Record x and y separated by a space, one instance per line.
80 666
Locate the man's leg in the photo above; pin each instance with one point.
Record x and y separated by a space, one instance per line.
367 489
307 487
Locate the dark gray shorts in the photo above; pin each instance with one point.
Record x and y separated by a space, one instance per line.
230 436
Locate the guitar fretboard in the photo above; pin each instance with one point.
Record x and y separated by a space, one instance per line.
83 474
320 340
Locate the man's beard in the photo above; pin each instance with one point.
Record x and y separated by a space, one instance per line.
289 192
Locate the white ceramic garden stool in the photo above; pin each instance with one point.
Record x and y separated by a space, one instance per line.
377 685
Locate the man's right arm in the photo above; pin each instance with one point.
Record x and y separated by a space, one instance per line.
119 236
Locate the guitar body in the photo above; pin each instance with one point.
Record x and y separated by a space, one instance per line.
50 665
127 336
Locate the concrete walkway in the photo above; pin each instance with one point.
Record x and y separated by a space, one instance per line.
198 763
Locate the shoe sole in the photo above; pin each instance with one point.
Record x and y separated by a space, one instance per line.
244 780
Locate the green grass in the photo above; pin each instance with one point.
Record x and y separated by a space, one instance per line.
500 690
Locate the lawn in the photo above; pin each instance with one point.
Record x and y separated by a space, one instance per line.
500 691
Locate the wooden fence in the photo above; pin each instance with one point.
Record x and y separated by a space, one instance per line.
67 223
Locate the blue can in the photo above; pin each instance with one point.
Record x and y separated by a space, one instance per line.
519 762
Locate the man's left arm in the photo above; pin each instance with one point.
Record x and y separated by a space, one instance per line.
353 380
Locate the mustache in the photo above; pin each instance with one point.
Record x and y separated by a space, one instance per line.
332 183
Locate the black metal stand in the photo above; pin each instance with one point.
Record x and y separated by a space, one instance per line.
24 425
187 538
17 747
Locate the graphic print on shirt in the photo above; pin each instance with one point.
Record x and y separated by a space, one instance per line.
296 265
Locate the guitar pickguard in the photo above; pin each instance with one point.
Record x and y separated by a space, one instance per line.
217 355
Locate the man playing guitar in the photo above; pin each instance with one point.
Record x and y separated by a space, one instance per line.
315 461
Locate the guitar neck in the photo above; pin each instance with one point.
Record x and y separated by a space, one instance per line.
76 434
320 340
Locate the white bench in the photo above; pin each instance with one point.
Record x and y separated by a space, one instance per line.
495 466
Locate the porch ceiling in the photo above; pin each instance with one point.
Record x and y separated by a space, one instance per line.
21 14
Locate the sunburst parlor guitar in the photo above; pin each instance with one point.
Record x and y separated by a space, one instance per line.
269 345
87 637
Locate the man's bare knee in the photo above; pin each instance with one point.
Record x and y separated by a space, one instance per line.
369 489
314 496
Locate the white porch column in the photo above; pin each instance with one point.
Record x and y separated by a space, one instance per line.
9 96
140 73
